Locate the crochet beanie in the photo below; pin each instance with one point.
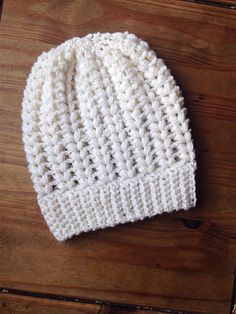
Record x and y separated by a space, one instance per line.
106 135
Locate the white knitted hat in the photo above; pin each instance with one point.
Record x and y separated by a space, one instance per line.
106 135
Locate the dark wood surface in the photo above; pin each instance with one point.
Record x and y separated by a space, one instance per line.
179 262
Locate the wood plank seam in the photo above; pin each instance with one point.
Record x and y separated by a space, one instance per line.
222 4
233 299
126 306
1 9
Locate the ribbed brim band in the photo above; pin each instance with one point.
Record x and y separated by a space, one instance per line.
79 210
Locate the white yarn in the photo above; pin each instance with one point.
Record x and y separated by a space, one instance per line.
106 135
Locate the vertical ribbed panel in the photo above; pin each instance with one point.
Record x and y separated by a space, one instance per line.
119 201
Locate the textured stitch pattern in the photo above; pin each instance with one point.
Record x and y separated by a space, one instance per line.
106 134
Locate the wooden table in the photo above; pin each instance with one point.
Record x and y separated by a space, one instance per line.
177 263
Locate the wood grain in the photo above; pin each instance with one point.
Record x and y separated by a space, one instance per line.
164 261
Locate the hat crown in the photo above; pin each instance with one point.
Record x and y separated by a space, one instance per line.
106 108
